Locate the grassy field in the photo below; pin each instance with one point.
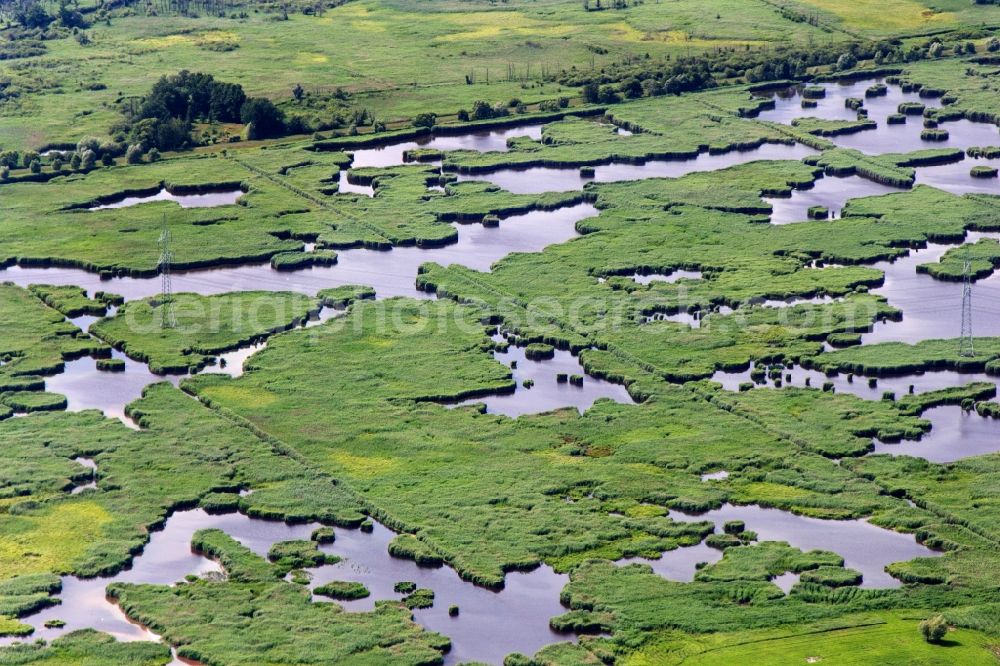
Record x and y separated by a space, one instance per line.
887 638
353 419
505 50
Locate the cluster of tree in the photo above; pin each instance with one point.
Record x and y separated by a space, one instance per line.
31 14
683 75
598 5
644 77
88 153
483 110
164 118
313 111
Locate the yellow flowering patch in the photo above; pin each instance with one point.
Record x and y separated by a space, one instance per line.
364 467
50 539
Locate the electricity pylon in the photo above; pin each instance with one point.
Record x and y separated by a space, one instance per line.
965 345
168 320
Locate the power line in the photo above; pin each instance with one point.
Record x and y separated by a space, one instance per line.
965 345
169 319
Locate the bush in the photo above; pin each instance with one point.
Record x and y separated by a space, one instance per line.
846 61
35 166
263 118
481 110
425 120
154 155
89 160
934 628
88 143
134 154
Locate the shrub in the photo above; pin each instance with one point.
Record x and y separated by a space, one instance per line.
134 154
88 160
35 166
934 628
154 155
88 143
846 61
425 120
263 119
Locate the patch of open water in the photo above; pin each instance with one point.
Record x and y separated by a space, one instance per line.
200 200
864 547
514 619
